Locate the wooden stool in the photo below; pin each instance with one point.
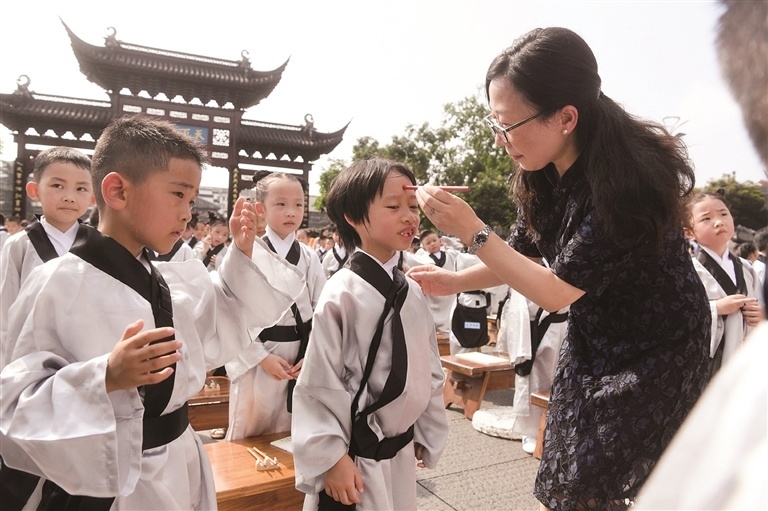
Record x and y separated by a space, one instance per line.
493 330
470 375
540 399
240 486
209 409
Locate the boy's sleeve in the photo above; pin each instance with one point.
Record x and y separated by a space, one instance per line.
56 418
321 425
431 429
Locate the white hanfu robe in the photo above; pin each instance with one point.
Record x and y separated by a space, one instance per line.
732 329
18 258
333 260
56 418
344 324
441 306
514 337
257 402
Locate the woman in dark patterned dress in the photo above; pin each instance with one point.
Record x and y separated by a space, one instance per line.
601 197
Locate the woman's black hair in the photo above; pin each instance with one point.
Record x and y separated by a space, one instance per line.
353 191
639 174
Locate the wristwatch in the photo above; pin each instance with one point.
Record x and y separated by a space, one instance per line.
479 239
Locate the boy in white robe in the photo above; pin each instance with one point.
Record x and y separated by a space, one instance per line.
61 182
264 374
368 404
432 251
108 347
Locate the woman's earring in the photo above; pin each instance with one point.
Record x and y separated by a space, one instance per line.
565 132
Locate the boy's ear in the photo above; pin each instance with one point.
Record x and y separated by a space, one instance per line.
31 189
113 189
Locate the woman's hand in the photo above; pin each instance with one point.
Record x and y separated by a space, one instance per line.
449 213
435 280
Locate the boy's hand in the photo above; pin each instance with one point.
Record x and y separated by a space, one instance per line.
295 370
343 481
730 304
242 226
419 452
276 367
753 313
133 362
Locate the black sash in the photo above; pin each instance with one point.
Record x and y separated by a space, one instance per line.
168 256
439 260
193 241
400 261
286 333
211 252
42 243
339 260
721 276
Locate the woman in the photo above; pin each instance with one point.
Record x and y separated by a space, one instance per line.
601 197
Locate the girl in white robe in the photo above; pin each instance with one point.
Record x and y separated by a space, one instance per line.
368 404
732 286
264 373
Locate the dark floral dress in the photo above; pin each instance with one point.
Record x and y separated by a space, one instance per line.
634 360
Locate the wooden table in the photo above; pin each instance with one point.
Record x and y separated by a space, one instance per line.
240 486
443 343
209 408
467 381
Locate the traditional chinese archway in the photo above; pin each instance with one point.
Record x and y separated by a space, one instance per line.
204 96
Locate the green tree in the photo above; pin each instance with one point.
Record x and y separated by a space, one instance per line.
747 204
458 152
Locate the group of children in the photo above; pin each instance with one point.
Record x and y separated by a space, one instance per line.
104 342
106 333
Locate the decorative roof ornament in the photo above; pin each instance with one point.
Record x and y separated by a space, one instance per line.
22 87
309 125
245 61
111 40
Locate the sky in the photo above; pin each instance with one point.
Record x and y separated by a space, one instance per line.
382 65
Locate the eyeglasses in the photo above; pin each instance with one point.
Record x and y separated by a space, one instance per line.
501 131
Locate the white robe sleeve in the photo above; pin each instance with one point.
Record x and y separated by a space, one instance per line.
431 429
321 402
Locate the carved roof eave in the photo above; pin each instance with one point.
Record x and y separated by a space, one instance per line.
285 140
118 65
42 113
21 111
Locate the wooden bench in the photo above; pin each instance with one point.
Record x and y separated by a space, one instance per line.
492 330
540 399
240 486
209 409
467 380
443 343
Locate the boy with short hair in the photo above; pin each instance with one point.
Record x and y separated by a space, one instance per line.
432 251
369 398
61 182
109 346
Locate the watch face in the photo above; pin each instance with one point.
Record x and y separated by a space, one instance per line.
482 237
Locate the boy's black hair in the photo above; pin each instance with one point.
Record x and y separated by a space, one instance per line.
353 191
426 232
59 155
137 146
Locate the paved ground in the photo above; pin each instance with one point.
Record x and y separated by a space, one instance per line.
478 472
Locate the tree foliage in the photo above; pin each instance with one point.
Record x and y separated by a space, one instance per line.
747 203
458 152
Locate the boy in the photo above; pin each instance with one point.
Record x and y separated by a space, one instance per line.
369 397
61 182
433 252
336 255
109 347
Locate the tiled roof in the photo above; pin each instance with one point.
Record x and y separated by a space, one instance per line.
25 109
118 65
